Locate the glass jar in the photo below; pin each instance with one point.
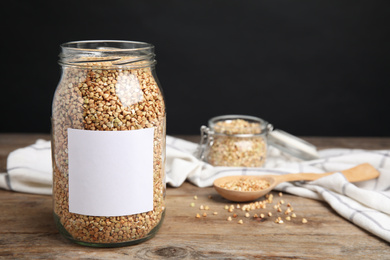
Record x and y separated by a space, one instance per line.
242 141
108 144
235 140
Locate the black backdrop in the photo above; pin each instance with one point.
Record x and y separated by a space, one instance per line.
309 67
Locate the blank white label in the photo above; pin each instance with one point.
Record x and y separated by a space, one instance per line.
110 172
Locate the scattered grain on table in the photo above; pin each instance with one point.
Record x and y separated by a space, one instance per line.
256 209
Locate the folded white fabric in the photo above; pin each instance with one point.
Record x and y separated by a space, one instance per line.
29 169
366 204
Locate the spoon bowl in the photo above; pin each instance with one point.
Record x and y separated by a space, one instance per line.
361 172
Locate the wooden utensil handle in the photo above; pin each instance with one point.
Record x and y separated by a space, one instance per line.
361 172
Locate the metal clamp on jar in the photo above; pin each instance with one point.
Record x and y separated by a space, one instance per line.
242 141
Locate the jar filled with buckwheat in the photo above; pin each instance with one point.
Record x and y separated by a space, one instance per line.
244 141
235 141
108 144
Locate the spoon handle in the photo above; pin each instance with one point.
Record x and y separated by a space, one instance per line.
361 172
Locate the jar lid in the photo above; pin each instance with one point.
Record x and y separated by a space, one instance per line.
292 145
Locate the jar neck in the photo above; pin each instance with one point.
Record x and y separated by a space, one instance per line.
107 54
239 125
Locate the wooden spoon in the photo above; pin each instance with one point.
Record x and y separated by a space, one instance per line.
362 172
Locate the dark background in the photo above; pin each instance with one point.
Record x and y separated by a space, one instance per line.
314 68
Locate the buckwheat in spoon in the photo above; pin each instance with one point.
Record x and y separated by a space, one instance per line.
235 188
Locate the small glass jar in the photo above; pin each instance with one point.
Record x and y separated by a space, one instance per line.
235 140
108 144
242 141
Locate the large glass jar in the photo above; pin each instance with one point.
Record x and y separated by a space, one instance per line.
108 144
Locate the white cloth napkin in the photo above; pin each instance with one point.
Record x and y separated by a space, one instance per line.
366 204
29 169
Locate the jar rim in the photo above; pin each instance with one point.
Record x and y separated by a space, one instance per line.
107 54
261 125
106 45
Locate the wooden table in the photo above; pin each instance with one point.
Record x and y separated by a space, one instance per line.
27 228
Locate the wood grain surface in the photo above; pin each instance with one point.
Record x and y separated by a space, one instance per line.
27 229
